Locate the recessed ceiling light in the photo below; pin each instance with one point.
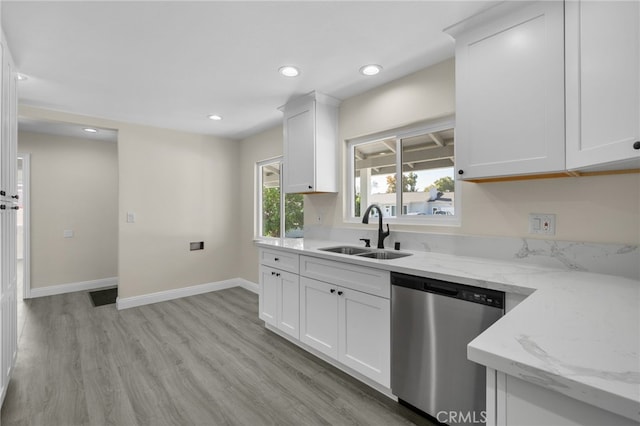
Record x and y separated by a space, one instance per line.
372 69
22 77
289 71
215 117
90 130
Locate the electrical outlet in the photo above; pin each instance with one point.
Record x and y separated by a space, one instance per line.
542 223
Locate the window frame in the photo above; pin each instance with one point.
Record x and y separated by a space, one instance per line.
258 224
398 134
258 191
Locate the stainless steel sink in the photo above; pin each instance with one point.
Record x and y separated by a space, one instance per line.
385 255
346 250
366 252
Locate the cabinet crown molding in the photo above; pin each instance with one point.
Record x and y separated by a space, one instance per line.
311 96
486 15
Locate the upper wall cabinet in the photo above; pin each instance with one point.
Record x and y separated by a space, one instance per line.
603 84
310 144
510 91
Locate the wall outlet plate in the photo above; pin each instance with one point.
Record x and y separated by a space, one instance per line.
542 223
131 217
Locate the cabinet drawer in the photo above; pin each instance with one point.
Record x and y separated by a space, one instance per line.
279 259
361 278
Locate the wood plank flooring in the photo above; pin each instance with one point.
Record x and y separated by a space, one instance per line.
201 360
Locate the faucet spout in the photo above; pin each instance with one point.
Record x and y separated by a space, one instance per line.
382 234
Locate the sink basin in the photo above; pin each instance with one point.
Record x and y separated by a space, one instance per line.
385 255
346 250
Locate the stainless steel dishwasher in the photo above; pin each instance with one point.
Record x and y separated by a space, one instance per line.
432 322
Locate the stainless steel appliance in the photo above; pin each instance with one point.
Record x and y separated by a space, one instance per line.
432 322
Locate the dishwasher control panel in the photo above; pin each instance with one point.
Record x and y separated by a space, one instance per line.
485 299
484 296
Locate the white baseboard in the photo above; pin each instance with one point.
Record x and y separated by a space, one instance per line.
248 285
73 287
163 296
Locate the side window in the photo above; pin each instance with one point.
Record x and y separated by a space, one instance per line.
423 157
277 211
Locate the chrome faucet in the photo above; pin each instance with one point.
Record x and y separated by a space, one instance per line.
381 233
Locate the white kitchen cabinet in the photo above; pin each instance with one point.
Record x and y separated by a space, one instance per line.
279 300
310 144
319 316
513 401
279 259
510 91
364 334
361 278
339 309
278 303
603 84
347 325
267 302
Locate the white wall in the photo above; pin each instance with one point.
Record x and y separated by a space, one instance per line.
263 146
74 186
182 188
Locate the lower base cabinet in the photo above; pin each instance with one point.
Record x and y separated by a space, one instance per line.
348 325
314 301
279 300
513 401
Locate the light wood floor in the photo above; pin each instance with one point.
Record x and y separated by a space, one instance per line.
201 360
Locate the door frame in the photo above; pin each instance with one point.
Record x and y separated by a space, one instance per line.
26 224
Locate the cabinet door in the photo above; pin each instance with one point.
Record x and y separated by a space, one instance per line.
268 300
523 403
364 337
288 312
299 148
603 83
510 94
319 316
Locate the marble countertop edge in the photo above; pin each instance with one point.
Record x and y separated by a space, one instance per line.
615 402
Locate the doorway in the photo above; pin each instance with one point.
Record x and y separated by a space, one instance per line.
69 232
24 231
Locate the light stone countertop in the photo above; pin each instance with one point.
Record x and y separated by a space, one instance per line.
576 333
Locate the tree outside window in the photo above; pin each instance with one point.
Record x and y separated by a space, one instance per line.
272 202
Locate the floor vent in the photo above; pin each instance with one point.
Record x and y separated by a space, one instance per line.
104 297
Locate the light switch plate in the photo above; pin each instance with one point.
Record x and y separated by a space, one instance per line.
542 223
131 217
68 233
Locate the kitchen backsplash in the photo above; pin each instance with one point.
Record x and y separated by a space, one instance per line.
613 259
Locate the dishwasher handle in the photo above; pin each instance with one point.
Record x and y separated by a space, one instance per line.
440 289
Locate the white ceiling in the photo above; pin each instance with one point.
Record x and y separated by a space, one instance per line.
169 64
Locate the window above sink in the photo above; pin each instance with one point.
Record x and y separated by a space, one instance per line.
423 155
